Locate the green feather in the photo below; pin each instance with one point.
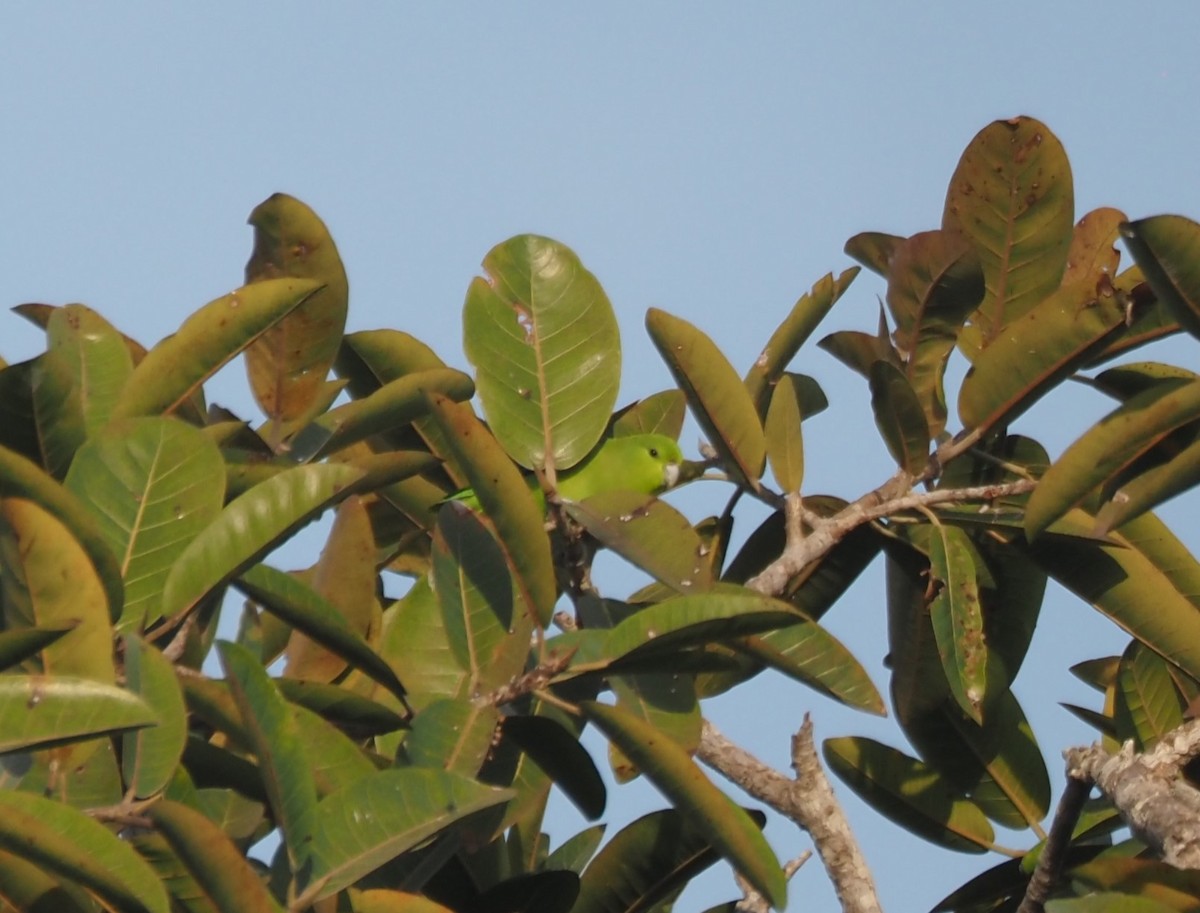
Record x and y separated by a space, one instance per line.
646 463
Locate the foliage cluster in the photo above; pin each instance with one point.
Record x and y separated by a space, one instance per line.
405 748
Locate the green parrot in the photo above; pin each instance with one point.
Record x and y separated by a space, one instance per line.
646 463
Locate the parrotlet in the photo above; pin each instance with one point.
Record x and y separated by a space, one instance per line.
646 463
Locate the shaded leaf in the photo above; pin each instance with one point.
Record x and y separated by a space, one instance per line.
18 644
379 817
909 793
1147 704
68 843
150 756
559 754
873 249
218 867
1167 248
899 417
650 534
721 403
546 348
957 619
727 827
790 335
287 365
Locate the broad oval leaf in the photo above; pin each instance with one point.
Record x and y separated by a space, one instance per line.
721 403
658 413
546 349
77 848
153 483
39 710
96 357
1147 704
557 751
909 793
650 534
452 734
377 818
175 368
1167 248
873 249
249 527
287 365
216 865
717 818
18 644
1013 197
957 618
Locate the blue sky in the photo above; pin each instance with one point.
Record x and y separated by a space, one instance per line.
707 159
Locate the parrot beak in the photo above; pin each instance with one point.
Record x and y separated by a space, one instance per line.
670 475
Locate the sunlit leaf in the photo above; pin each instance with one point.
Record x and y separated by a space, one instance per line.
1012 196
658 413
149 756
1147 705
175 368
957 619
38 710
721 403
546 348
785 443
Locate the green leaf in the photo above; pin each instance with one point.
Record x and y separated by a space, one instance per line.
414 639
1109 447
58 414
1151 488
934 283
723 613
1147 704
1142 577
576 852
506 500
18 425
665 701
1167 248
95 356
546 348
658 413
859 351
716 817
909 793
154 484
650 534
396 403
301 607
374 820
647 863
1138 880
1012 196
899 417
474 588
39 710
287 365
24 886
150 756
277 741
721 403
1107 902
873 249
248 528
177 367
557 751
219 868
19 644
785 442
790 335
352 713
452 734
68 843
958 620
1057 336
49 581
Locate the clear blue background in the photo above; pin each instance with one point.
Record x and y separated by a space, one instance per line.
707 159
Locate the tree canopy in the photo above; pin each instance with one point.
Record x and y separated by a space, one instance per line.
398 714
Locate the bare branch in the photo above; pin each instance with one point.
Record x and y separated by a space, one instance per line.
1050 864
1150 791
808 800
754 902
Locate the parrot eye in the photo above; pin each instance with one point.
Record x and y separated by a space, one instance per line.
654 452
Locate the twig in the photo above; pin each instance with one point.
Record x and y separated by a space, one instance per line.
1050 864
535 679
754 902
808 800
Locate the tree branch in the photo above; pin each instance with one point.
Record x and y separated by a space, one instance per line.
1050 864
1150 791
808 800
